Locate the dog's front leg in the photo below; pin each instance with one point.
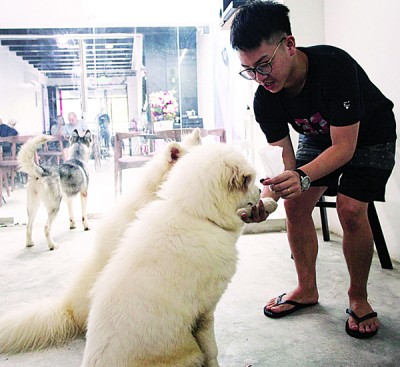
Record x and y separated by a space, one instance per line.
205 337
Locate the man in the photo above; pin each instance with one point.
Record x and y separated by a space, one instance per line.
5 131
347 130
74 123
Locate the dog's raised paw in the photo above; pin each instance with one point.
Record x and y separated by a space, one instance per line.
270 206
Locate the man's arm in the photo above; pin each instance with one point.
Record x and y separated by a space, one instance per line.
344 141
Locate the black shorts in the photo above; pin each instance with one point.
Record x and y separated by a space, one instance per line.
364 178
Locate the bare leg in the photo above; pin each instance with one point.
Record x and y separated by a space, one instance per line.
304 246
358 251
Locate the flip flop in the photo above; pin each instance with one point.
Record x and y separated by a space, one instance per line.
356 333
297 306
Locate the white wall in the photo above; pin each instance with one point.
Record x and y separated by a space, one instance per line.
20 99
368 29
94 13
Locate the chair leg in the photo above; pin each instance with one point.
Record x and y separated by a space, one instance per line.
324 221
379 239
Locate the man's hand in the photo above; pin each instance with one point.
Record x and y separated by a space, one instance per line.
286 185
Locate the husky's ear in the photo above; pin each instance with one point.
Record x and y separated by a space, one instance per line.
87 137
74 137
192 139
240 180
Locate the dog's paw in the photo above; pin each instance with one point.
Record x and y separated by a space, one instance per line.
30 244
270 206
53 246
85 225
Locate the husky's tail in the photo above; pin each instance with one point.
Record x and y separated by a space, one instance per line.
37 326
26 156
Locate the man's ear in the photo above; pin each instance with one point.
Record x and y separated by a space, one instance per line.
290 43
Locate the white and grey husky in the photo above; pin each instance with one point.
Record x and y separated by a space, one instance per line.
49 184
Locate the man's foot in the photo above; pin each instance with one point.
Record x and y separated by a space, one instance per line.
286 304
363 321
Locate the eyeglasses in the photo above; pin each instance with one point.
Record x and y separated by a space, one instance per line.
264 68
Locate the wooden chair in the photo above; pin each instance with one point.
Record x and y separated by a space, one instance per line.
176 134
376 228
58 154
131 160
8 165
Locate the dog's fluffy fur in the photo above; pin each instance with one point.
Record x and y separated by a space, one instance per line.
158 272
55 321
153 305
49 184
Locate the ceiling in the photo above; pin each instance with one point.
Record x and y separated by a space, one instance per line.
61 52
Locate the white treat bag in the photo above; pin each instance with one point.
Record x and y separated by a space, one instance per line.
271 158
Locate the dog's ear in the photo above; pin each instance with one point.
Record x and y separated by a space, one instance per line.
87 137
239 180
74 137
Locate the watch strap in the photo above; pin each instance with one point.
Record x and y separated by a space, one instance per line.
300 172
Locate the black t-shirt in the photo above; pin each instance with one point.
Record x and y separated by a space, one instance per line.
337 92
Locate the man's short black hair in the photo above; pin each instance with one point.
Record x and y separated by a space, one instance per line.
258 21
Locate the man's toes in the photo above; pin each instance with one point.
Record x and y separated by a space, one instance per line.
353 325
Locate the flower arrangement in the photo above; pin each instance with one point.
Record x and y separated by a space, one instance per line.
164 105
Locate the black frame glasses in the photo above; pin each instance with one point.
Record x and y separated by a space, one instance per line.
264 68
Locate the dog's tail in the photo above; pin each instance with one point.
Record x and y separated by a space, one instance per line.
26 156
37 326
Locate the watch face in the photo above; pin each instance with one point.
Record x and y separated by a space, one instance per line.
305 183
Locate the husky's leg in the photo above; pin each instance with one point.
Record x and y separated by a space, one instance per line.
52 211
70 203
84 210
206 339
33 202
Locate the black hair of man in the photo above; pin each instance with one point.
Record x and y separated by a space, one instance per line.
258 21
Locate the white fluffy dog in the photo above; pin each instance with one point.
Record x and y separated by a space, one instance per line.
55 321
153 305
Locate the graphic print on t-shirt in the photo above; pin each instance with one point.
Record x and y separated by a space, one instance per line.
316 125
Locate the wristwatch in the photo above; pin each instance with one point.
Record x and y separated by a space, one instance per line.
305 181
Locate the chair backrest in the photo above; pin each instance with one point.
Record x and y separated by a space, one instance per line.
9 148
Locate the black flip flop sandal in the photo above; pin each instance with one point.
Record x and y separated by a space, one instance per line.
356 333
297 306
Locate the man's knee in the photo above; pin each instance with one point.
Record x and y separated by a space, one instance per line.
295 211
352 213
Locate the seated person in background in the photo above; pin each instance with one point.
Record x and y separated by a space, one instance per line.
74 123
5 131
58 129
